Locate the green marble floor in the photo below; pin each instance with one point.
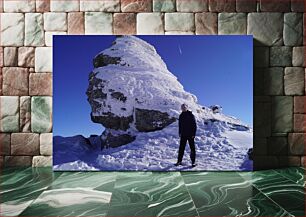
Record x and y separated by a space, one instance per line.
41 192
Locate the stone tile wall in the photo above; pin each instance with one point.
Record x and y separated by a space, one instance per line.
26 33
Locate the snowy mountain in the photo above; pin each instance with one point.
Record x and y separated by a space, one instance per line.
137 99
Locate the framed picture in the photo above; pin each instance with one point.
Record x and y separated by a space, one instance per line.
153 103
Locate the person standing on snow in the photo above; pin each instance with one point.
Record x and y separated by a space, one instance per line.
187 131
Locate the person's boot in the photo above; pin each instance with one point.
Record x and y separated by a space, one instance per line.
178 163
193 164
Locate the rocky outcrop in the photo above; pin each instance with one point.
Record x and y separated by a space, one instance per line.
110 120
118 91
151 120
113 141
119 96
131 91
104 60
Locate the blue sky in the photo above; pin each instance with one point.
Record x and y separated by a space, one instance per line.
217 69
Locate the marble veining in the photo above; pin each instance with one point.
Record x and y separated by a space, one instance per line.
296 174
73 196
20 187
41 192
282 190
75 193
70 201
228 194
94 180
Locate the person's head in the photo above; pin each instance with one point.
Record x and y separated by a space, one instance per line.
184 107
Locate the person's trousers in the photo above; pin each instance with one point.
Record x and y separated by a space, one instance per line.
182 149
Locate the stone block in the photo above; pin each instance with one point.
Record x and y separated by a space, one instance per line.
305 81
261 57
42 161
42 5
263 99
10 56
150 23
55 21
296 143
280 56
282 117
46 143
19 6
15 81
40 84
179 22
9 113
1 56
98 23
259 87
1 157
124 24
232 23
272 6
17 161
299 123
304 29
274 81
12 29
76 23
299 104
101 5
65 6
262 119
136 5
41 114
222 6
34 29
246 5
5 144
293 29
260 146
289 161
49 37
191 5
25 144
1 81
265 162
303 161
206 23
26 56
267 28
298 6
43 59
179 33
25 114
294 81
298 56
278 145
164 5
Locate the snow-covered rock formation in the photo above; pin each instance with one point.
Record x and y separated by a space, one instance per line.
131 90
137 99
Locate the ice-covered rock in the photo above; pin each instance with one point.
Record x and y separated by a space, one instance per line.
131 90
216 108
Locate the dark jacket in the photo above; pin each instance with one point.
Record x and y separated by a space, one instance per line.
187 124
